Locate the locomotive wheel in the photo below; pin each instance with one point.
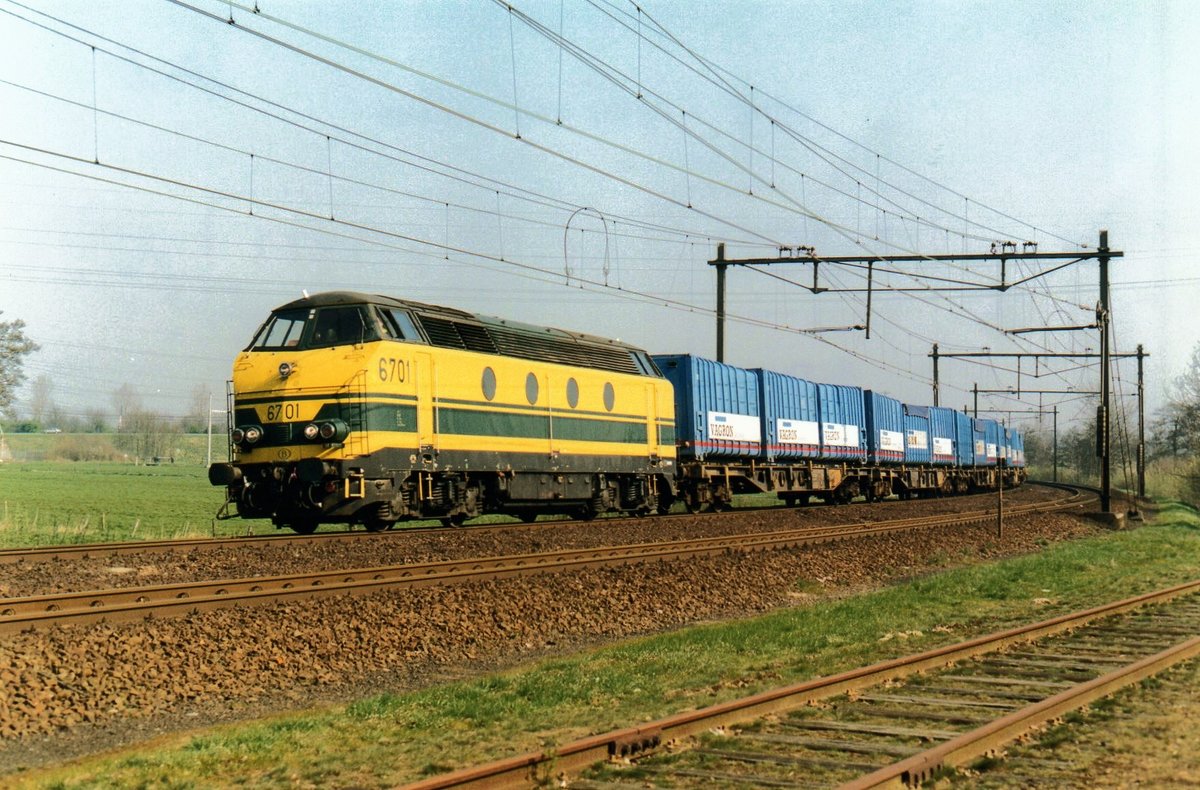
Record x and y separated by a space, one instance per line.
457 520
527 516
377 525
589 511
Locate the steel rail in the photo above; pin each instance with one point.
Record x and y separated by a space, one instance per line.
960 750
128 603
569 759
74 551
118 548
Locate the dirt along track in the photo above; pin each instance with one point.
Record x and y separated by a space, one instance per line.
77 690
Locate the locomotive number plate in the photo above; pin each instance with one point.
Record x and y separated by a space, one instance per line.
277 412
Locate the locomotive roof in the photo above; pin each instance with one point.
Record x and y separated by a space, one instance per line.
334 298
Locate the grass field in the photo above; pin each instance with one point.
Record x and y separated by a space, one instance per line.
52 501
395 738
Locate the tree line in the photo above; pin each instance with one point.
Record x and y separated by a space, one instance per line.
131 428
43 413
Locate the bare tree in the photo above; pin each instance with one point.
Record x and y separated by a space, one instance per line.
196 420
147 435
125 402
41 399
14 346
1179 430
57 417
1177 436
94 421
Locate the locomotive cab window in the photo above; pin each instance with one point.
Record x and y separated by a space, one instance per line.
399 325
342 326
282 330
644 364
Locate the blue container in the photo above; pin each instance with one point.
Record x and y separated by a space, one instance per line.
994 442
716 408
1017 449
790 416
885 428
964 439
1013 447
979 440
943 436
918 449
843 423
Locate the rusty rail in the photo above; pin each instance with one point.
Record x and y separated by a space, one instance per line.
968 746
568 760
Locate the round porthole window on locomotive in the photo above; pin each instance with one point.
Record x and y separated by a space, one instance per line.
531 388
610 396
572 393
489 383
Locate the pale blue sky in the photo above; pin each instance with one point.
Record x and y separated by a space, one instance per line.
1068 116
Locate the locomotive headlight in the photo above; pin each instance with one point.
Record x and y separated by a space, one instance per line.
238 436
252 434
286 369
311 432
333 430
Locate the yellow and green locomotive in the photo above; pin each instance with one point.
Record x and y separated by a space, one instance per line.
356 408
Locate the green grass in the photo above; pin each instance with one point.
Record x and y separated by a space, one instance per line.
45 503
394 738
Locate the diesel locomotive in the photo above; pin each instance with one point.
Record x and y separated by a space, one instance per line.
356 408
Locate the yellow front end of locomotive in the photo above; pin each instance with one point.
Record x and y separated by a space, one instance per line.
294 395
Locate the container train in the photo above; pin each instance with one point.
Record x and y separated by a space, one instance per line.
356 408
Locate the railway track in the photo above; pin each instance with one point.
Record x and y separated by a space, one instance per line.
893 724
119 548
131 603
